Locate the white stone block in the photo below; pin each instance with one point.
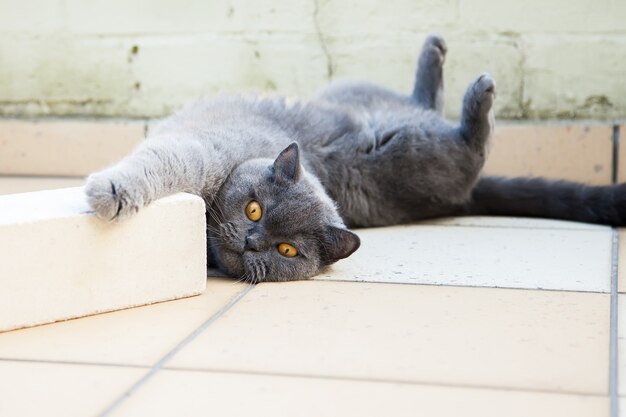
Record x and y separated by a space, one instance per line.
58 261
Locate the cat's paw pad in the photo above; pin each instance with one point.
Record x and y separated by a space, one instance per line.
437 41
435 49
483 91
485 85
109 199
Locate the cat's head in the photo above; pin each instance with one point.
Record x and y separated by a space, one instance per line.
273 221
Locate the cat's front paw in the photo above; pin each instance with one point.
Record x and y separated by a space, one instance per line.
109 198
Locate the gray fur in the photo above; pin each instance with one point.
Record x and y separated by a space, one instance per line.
365 156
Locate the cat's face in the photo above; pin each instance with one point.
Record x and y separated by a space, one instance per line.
272 221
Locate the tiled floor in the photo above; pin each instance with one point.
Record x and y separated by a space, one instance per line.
455 317
472 317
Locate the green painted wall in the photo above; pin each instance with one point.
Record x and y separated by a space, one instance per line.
551 59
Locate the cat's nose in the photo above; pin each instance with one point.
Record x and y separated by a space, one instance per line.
252 242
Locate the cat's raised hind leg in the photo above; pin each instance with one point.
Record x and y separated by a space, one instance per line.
477 115
428 90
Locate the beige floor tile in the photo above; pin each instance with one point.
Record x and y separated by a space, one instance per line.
572 152
43 389
64 147
512 222
539 340
138 336
176 393
12 185
511 257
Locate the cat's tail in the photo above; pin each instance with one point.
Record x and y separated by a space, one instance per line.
538 197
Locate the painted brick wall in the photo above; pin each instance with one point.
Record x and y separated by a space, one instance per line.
551 59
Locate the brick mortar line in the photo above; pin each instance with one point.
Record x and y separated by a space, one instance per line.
161 363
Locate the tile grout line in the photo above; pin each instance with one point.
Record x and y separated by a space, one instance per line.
161 363
600 228
455 285
613 354
75 363
386 381
613 335
313 376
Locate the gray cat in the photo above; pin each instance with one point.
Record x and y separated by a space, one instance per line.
354 155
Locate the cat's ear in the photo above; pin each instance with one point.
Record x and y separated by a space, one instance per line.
340 243
287 165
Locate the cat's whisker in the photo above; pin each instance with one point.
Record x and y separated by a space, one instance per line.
262 270
212 228
242 278
213 215
253 274
257 271
213 232
218 206
211 210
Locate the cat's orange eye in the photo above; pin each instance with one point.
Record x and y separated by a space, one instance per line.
253 211
287 250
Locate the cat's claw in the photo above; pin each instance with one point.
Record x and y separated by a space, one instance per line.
109 200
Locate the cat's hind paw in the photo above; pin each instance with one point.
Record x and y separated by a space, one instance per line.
477 116
481 94
109 199
435 48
